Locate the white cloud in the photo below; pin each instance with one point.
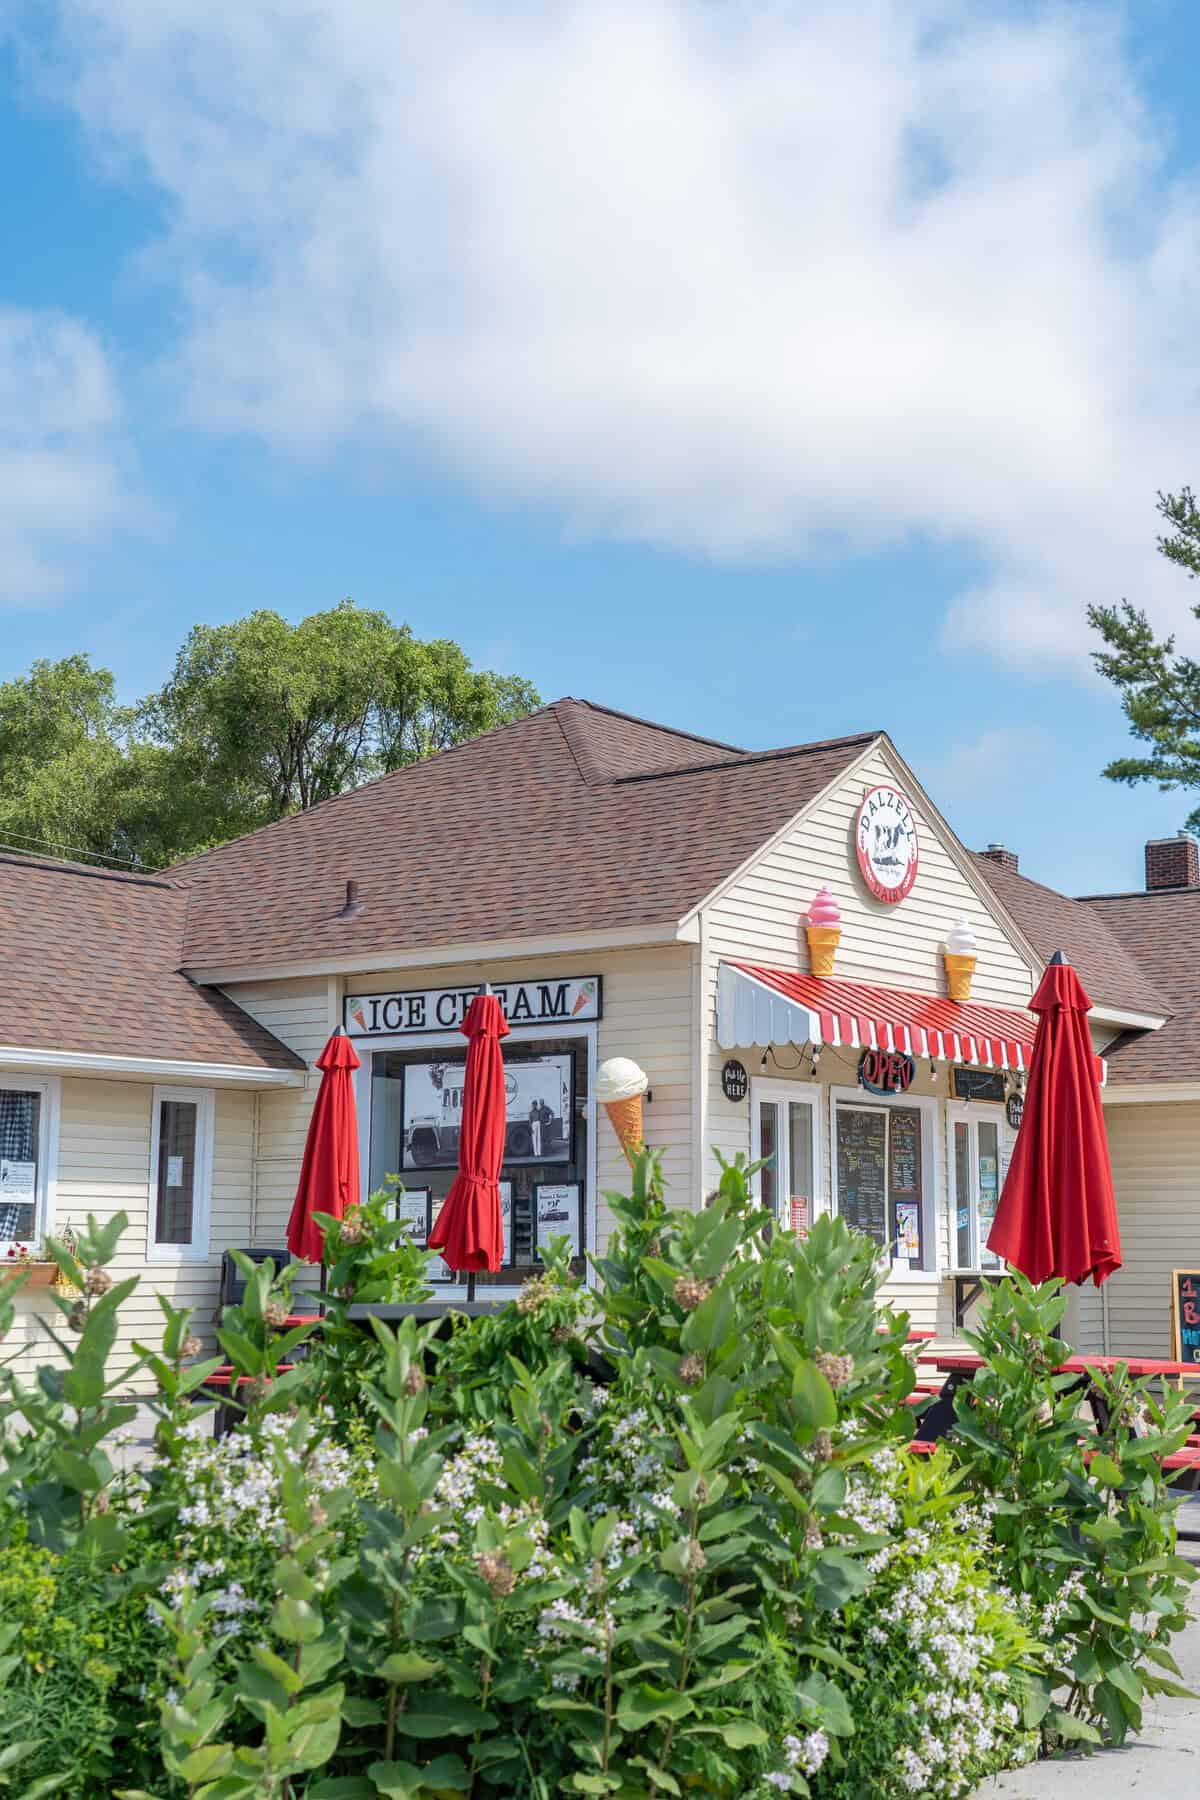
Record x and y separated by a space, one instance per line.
747 279
60 480
988 765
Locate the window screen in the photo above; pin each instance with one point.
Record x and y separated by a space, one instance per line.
176 1190
20 1128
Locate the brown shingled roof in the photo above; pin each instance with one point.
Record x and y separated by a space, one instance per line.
574 818
1161 928
1051 921
91 965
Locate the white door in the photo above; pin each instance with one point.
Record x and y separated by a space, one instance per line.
979 1151
784 1135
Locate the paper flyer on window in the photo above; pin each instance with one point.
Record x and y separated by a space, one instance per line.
18 1182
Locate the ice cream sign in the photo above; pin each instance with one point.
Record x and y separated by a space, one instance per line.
885 836
420 1011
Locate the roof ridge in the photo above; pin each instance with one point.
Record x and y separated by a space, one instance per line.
1166 893
60 866
746 759
615 712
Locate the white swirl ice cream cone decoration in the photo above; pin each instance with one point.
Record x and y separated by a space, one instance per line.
620 1088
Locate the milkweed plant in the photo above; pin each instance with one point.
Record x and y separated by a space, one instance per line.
660 1534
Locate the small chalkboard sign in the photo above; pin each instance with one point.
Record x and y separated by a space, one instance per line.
978 1084
1185 1314
735 1083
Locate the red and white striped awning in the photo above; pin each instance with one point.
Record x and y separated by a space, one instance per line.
757 1005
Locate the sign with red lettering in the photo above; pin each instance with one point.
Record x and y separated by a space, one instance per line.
885 839
886 1071
1185 1314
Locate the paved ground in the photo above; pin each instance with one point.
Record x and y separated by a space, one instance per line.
1163 1761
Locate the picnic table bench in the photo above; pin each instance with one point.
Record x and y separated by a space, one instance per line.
960 1366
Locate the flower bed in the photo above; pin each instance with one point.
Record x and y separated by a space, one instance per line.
424 1566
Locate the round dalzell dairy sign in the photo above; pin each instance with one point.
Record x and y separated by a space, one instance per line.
885 836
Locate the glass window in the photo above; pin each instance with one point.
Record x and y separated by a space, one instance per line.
416 1106
988 1133
180 1172
978 1177
963 1252
176 1194
783 1138
768 1150
879 1169
20 1136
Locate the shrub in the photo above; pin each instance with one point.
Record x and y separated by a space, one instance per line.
659 1538
1082 1518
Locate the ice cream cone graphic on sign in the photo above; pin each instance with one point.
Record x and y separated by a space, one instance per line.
823 931
620 1087
959 958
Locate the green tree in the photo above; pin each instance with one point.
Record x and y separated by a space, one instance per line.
1160 690
63 747
258 719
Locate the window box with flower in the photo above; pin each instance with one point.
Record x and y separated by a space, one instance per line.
21 1264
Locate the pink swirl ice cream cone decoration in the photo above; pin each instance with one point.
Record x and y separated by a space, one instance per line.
824 931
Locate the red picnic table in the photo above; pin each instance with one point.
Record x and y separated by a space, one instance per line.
959 1366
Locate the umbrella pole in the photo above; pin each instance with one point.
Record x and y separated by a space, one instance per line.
470 1286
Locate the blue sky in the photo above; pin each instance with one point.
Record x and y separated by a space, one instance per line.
774 372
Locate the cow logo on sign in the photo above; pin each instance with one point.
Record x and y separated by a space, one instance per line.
885 836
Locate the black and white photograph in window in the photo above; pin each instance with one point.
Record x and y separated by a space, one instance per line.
546 1138
538 1091
20 1128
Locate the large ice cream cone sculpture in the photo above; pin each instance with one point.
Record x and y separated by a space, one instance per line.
959 957
823 931
621 1087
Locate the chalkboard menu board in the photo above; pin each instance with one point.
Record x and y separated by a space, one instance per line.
904 1153
978 1084
1185 1314
862 1170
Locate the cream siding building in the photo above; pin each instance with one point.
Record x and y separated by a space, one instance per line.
604 849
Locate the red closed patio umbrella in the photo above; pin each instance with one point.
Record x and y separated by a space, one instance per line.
1057 1215
469 1231
329 1172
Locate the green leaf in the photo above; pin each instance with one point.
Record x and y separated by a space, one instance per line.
359 1712
812 1398
78 1472
404 1781
1125 1680
313 1742
742 1734
295 1620
207 1763
1105 1470
442 1715
646 1705
342 1787
836 1579
18 1751
406 1665
1073 1729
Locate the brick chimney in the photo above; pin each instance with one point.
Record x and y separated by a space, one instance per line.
1008 859
1173 862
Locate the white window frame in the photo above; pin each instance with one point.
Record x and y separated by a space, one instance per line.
369 1048
780 1093
204 1100
972 1114
932 1209
49 1087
